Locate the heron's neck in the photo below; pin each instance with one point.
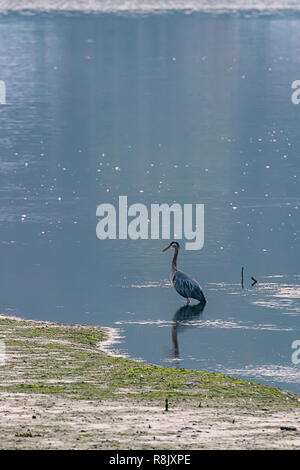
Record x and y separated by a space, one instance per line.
174 262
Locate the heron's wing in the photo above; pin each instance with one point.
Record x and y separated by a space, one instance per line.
186 286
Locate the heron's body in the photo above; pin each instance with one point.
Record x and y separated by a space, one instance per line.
184 284
187 287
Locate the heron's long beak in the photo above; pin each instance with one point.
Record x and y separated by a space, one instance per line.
166 248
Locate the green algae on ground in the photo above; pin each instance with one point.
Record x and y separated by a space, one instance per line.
50 358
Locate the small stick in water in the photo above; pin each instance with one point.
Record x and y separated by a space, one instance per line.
242 277
254 281
167 405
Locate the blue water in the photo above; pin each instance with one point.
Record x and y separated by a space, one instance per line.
167 107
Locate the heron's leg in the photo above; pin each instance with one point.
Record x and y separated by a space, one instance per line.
187 301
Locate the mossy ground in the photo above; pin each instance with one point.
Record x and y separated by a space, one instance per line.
45 358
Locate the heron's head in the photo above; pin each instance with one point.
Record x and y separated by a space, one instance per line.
174 245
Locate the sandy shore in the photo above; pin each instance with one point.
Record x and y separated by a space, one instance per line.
30 421
60 391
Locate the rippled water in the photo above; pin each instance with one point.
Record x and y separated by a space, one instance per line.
161 108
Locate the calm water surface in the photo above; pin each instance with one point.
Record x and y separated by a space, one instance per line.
162 108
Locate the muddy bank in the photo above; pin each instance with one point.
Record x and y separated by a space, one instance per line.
61 390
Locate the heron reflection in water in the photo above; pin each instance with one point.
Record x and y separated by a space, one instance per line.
182 318
184 284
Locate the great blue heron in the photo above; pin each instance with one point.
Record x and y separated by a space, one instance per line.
184 284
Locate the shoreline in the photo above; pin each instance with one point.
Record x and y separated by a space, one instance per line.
62 389
113 338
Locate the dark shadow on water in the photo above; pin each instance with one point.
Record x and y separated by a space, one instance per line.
181 320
